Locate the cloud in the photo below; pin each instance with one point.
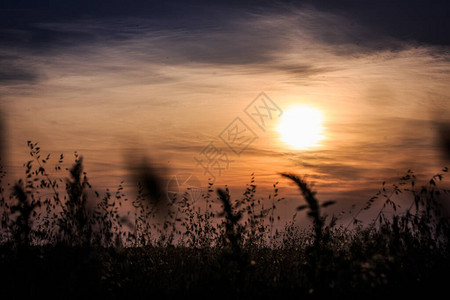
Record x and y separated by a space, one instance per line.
160 44
224 32
14 71
236 36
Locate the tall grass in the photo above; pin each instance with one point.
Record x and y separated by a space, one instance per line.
62 232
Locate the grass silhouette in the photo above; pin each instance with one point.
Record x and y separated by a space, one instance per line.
71 241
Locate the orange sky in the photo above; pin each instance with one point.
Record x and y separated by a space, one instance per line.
149 95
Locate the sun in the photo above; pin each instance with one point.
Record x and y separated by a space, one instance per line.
301 127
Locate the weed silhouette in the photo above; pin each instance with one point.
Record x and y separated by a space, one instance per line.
87 244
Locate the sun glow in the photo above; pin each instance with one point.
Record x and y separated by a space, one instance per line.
301 127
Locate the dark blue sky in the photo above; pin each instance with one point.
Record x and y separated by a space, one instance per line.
423 21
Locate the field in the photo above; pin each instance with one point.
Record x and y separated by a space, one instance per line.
60 238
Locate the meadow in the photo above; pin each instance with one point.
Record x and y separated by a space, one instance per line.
59 237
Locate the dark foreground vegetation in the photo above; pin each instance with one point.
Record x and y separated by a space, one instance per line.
61 238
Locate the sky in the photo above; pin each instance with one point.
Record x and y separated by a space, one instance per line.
167 85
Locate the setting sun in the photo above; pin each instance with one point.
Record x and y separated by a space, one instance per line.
301 127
